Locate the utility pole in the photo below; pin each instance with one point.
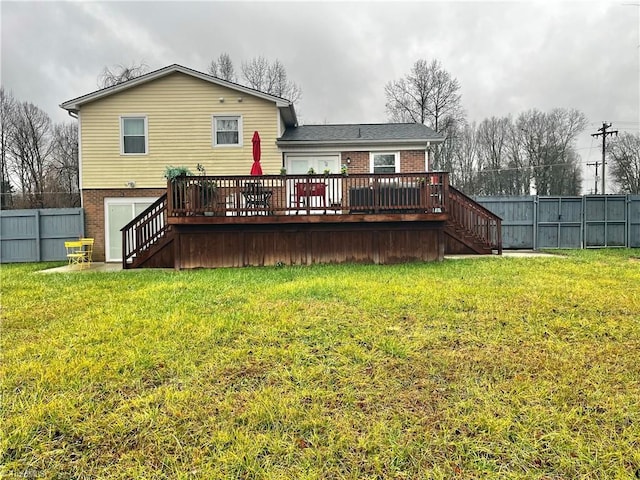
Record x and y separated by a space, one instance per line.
603 131
595 164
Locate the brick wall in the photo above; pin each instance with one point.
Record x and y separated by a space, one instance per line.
93 204
359 161
410 161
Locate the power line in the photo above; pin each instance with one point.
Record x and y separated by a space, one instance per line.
524 167
617 121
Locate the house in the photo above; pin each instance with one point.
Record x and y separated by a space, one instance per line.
129 133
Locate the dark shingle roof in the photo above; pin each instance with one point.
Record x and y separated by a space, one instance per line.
361 133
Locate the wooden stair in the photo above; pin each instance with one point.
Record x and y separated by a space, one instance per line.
471 228
147 240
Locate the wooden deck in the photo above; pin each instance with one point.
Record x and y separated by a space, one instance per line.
206 221
317 195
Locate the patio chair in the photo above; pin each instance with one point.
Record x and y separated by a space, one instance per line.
304 191
257 199
75 253
87 246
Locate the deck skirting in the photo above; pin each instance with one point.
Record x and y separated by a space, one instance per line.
240 245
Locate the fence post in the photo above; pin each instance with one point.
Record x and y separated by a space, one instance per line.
36 219
627 223
534 199
583 222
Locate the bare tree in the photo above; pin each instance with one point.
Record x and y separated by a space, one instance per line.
624 157
117 74
502 172
517 166
492 141
7 111
444 155
30 148
254 73
465 162
547 140
501 157
280 85
223 68
270 78
38 158
428 94
64 171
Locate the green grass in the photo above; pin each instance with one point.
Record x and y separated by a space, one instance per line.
486 368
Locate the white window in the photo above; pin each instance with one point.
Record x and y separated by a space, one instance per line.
385 162
227 131
134 135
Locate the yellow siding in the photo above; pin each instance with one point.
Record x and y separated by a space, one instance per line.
179 111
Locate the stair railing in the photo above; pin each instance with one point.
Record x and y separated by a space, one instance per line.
468 215
143 231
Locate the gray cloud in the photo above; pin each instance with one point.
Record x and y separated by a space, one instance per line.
508 56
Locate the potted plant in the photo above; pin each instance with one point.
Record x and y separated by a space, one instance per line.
177 177
171 172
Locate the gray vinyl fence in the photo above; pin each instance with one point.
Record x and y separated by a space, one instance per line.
38 235
591 221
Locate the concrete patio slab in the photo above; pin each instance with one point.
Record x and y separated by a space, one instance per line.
506 254
95 267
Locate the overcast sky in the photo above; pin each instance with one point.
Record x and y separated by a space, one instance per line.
508 57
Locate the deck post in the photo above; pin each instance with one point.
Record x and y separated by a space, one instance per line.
170 195
444 180
176 250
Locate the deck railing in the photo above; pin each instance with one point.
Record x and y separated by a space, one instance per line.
143 231
424 192
470 216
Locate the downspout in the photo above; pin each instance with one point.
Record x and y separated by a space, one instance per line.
427 160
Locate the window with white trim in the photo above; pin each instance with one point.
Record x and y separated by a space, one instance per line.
227 131
385 162
134 135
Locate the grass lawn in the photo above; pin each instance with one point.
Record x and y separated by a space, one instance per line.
485 368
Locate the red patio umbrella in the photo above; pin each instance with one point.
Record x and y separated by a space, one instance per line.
256 168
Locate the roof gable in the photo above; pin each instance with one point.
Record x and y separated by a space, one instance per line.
286 107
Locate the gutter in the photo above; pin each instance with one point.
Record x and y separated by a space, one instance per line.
348 143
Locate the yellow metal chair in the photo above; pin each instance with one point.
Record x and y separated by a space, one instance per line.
87 246
75 253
